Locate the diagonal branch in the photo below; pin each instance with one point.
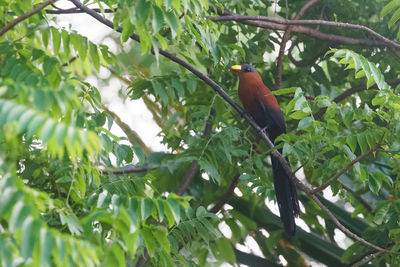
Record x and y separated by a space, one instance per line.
342 227
344 169
285 38
366 257
24 16
194 166
275 153
132 135
227 195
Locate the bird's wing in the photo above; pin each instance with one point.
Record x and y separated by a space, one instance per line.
271 110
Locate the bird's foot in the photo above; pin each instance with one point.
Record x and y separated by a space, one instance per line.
263 130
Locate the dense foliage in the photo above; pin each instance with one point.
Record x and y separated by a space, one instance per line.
72 193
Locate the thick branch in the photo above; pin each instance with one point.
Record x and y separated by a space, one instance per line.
344 169
285 38
226 97
24 16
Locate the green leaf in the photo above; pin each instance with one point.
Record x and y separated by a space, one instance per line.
168 213
172 21
284 91
146 208
226 251
175 209
119 255
351 140
49 64
142 11
160 233
374 182
211 170
18 215
94 55
395 17
158 20
305 123
8 198
30 233
46 247
48 130
389 7
56 39
160 91
149 241
127 30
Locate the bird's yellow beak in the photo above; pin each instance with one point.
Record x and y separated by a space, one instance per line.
236 68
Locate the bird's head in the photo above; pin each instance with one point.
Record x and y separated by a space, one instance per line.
243 68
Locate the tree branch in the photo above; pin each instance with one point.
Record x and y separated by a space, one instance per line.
132 135
352 91
124 171
369 255
310 61
285 38
344 169
76 11
341 226
227 195
24 16
304 30
226 97
296 21
194 166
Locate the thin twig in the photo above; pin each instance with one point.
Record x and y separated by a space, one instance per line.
310 61
342 227
344 169
285 38
226 97
188 177
24 16
351 91
124 171
132 135
366 257
194 166
357 196
227 195
308 31
77 11
70 61
296 21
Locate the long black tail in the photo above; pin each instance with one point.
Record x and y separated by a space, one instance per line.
286 196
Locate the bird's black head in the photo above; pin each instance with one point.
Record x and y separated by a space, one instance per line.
243 68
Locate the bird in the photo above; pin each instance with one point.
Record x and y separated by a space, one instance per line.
263 107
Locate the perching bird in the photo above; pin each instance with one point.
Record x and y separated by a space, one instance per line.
263 107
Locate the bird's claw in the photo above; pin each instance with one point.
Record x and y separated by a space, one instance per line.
262 130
